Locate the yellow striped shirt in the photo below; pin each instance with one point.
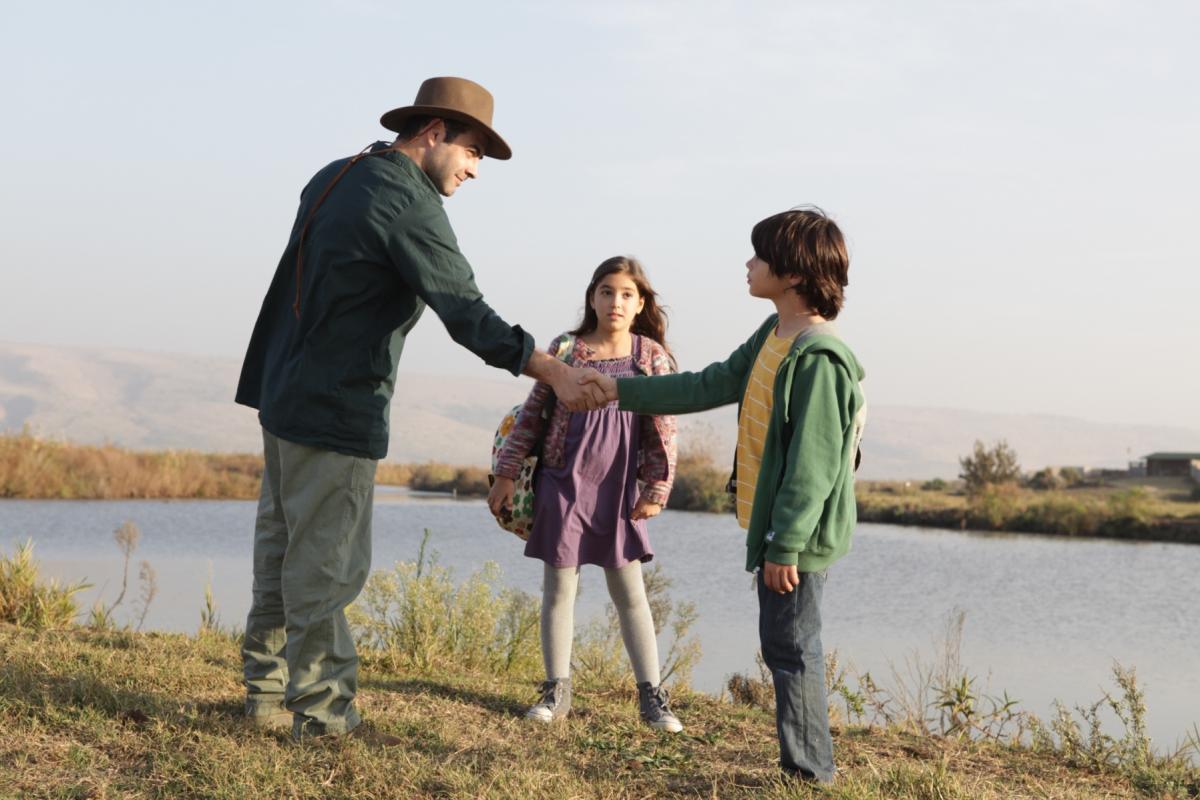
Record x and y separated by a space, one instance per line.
755 416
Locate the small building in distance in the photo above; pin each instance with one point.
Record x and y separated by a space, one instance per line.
1183 465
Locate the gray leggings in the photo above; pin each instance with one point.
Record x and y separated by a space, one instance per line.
628 594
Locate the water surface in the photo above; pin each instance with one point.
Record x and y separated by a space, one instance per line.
1046 617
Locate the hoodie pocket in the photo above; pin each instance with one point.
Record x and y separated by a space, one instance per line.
822 543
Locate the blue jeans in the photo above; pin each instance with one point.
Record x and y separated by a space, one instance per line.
789 632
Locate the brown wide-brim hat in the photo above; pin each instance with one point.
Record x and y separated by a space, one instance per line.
453 98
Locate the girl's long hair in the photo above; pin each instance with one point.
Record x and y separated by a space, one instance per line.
651 320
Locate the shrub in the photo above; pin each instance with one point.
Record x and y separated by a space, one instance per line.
934 485
989 467
1060 515
1131 505
1071 476
700 485
599 654
471 481
1045 479
390 474
437 477
757 692
415 616
433 477
29 603
992 506
1131 753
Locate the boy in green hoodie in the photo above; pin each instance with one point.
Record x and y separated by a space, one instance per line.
800 418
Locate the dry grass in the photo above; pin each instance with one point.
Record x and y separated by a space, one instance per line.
41 468
36 468
119 714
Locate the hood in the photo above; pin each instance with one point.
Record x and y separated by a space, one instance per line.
820 338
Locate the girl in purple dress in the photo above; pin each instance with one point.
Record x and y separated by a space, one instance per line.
601 475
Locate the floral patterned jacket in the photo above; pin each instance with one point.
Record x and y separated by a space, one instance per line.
656 456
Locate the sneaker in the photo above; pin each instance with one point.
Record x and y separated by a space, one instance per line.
555 702
655 709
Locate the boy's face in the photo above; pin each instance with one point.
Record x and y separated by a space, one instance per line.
764 283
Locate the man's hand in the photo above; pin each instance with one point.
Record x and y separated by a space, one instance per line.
574 389
501 495
645 509
605 383
567 382
780 578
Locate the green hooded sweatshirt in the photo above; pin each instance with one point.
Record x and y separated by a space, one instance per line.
804 511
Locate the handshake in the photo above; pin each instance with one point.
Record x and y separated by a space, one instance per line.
583 389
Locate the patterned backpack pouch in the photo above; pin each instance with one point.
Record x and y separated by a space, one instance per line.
520 519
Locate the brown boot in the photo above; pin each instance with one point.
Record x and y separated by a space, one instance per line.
268 716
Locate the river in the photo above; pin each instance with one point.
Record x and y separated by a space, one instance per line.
1045 617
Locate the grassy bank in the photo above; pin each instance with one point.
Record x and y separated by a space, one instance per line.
449 668
1147 509
116 714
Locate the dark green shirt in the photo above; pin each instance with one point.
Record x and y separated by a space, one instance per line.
378 250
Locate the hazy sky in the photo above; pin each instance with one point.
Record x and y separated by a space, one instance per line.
1019 181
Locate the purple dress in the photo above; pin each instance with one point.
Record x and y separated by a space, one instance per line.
581 510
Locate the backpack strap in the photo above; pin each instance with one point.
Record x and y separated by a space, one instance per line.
313 212
564 353
566 349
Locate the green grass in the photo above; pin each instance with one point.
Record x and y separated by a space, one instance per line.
1149 509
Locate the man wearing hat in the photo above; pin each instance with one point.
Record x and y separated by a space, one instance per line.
370 249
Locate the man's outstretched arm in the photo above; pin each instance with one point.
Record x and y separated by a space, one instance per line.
567 382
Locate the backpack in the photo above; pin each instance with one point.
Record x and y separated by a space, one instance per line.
520 519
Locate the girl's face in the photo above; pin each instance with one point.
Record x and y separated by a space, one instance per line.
616 301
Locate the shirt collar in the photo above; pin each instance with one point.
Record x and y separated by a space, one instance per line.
408 165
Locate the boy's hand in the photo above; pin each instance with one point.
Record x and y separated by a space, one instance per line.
645 509
501 495
780 578
605 383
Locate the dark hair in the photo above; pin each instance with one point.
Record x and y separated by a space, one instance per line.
412 126
651 320
804 242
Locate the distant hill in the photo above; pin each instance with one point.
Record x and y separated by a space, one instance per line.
147 400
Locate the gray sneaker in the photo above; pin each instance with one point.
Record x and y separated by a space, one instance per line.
555 703
656 712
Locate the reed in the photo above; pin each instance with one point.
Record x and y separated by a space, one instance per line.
33 467
28 601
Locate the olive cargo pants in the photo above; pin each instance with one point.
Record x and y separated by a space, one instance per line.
312 554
